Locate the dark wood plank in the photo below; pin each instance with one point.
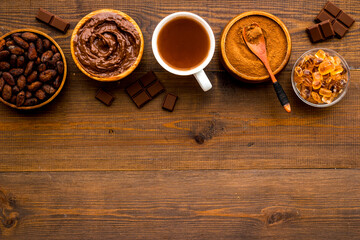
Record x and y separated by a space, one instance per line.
270 204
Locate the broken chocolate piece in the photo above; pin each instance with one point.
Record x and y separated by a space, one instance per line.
155 89
345 19
59 24
332 9
44 16
323 16
339 29
133 89
315 33
104 97
147 79
141 99
327 29
169 102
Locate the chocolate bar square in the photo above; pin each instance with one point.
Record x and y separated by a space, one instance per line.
133 89
332 9
59 24
345 19
169 102
44 15
323 16
141 99
327 29
104 97
339 29
155 89
315 33
147 79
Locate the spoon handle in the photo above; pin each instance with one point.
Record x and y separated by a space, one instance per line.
282 96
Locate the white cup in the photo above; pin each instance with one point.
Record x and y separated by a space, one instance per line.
198 71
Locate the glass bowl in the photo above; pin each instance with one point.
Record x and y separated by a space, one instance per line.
344 66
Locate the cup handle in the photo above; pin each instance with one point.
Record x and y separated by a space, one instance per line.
203 80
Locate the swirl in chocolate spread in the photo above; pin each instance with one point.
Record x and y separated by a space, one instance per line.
107 44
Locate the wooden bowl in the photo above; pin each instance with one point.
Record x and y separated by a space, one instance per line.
240 75
64 74
112 78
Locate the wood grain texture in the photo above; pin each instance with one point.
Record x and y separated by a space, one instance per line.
252 204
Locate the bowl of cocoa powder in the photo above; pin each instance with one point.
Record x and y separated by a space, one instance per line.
32 69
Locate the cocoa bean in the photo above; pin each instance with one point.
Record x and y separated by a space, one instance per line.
28 68
28 36
46 56
20 98
60 67
39 46
16 71
40 94
56 57
28 94
4 66
17 34
47 75
21 82
9 78
34 86
46 44
38 61
4 54
13 60
48 89
42 67
6 93
17 50
32 54
13 99
31 102
32 77
54 49
2 83
2 44
15 90
57 82
21 42
10 43
20 62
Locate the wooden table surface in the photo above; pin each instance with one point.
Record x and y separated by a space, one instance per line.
77 169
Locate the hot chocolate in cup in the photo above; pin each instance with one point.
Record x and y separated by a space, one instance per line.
183 43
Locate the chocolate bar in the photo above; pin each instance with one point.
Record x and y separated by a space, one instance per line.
169 102
320 31
104 97
145 89
340 20
52 20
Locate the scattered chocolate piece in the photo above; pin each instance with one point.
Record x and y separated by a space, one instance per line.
52 20
155 89
340 20
141 99
104 97
169 102
327 29
134 88
315 33
44 16
147 79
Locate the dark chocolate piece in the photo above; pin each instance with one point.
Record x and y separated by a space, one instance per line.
332 9
315 33
59 24
169 102
339 29
133 89
323 16
155 89
104 97
44 16
327 29
345 19
141 99
147 79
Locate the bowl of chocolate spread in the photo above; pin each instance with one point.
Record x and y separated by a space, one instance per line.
107 45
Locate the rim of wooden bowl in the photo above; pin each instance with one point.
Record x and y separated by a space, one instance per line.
225 61
112 78
64 74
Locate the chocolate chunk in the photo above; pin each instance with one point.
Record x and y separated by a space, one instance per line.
104 97
327 29
169 102
133 89
332 9
323 16
44 16
315 33
59 24
155 89
141 99
339 29
147 79
345 19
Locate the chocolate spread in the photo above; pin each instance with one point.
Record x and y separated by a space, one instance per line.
107 44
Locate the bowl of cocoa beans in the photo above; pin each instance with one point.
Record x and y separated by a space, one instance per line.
32 69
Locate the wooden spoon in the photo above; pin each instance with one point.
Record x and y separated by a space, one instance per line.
254 38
